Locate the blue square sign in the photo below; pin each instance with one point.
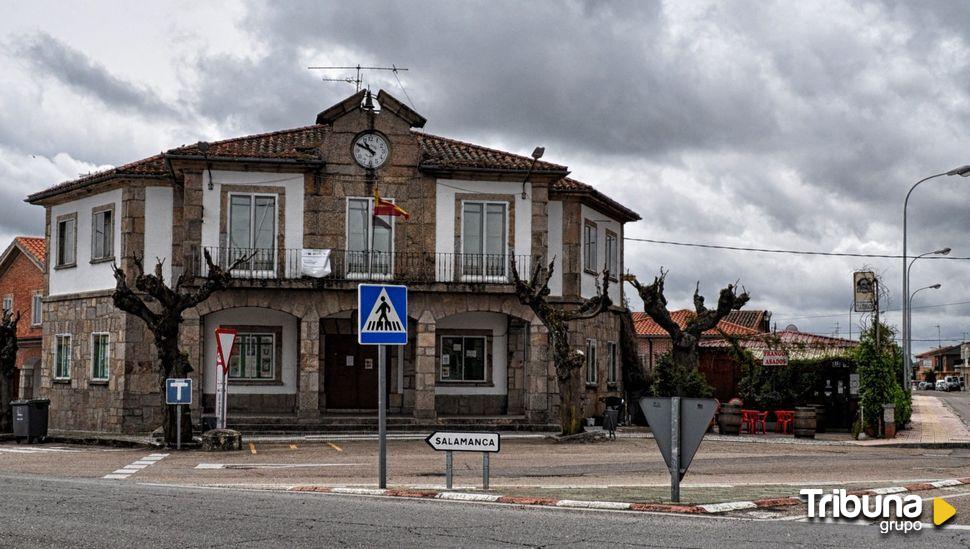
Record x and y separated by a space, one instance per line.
178 390
382 314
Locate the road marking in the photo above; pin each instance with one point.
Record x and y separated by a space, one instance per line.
37 450
293 446
271 465
335 447
252 448
729 506
132 468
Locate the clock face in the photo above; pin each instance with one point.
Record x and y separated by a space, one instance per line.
371 150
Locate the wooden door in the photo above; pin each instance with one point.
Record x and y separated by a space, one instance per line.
350 374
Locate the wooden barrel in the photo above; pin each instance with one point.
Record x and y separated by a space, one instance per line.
819 417
729 420
804 422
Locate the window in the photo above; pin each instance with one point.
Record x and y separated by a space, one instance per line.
612 257
611 364
8 303
99 356
253 357
102 234
66 242
484 242
370 239
589 246
37 309
252 230
591 361
62 356
463 358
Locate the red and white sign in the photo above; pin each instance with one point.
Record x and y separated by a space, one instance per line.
772 357
225 340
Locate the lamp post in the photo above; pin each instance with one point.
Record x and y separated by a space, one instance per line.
908 382
963 171
908 312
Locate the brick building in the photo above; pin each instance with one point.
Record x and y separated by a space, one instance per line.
938 363
474 354
22 290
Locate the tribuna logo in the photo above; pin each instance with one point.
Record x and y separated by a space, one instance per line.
898 513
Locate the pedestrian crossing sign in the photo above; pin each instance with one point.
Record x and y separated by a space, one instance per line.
382 312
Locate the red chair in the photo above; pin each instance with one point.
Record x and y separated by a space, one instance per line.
785 418
760 418
749 419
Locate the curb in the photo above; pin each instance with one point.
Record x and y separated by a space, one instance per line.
709 509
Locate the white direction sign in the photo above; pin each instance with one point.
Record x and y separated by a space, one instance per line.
453 441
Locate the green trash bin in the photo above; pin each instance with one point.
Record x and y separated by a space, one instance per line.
30 419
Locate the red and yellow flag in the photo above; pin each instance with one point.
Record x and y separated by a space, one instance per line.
385 207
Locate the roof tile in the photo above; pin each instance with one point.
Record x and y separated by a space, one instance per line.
645 326
35 246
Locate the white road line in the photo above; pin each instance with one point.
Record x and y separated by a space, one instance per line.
462 496
271 465
131 469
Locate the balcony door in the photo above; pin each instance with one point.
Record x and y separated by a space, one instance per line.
370 241
252 231
484 241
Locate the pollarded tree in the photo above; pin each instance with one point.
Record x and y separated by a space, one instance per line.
686 339
161 308
568 361
8 367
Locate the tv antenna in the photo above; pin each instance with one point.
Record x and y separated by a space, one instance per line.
355 80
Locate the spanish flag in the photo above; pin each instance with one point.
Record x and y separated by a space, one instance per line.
384 207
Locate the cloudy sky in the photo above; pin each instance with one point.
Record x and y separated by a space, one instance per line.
796 125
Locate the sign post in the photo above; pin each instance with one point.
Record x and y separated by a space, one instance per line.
451 441
382 312
225 341
678 426
178 391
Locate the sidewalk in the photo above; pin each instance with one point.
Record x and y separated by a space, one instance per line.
932 424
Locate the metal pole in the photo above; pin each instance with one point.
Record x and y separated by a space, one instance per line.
178 426
448 471
485 471
675 449
382 413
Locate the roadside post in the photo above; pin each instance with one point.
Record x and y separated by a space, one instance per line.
382 312
678 425
451 441
178 391
225 341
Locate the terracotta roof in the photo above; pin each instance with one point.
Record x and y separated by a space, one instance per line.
445 153
750 318
295 144
645 326
569 184
948 350
799 345
35 246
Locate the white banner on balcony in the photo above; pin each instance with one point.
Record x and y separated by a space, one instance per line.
315 263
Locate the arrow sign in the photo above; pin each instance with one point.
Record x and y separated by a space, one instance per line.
452 441
225 340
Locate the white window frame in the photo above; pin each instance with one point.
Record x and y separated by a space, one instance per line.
8 302
274 343
58 256
591 367
588 255
370 273
58 339
37 309
611 364
485 362
612 253
107 357
276 232
505 248
109 235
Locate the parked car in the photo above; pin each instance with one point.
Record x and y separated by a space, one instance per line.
953 383
942 385
925 386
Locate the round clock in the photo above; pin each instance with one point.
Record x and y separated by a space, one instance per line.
371 150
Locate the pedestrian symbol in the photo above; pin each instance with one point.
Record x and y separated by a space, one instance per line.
382 313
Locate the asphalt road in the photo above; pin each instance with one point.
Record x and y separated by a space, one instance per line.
958 401
47 512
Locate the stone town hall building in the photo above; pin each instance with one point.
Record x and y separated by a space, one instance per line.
474 354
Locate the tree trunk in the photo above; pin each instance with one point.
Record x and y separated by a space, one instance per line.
174 365
571 405
6 396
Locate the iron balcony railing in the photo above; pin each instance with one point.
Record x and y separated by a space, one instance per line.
363 265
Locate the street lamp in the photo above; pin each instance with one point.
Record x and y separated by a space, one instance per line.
907 382
908 313
963 171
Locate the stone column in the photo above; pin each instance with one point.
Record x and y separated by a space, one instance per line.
424 368
309 368
540 376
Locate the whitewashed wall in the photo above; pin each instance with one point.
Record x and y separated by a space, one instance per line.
293 214
497 323
158 228
555 245
603 222
86 276
252 316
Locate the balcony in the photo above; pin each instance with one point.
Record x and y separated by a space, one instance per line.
268 264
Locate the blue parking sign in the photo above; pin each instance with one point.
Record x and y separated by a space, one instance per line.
382 313
178 390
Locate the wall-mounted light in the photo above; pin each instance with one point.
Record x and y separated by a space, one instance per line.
536 155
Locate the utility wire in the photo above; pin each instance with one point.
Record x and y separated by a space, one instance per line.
778 251
399 83
894 309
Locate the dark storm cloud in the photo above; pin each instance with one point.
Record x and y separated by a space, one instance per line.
55 59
